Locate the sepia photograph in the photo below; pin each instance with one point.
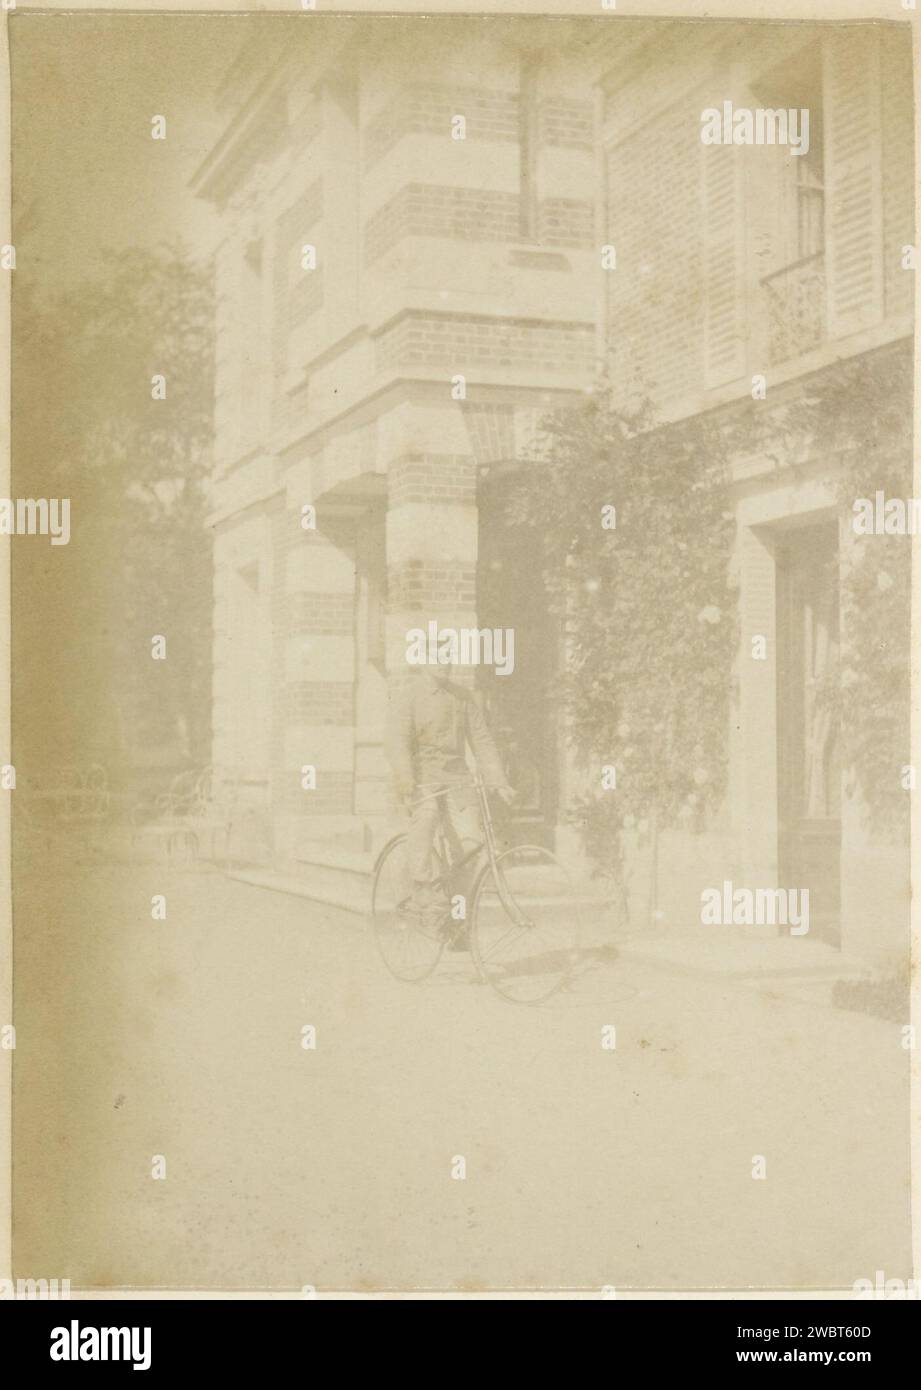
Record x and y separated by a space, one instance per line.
460 765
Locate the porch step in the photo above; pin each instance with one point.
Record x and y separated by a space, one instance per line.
322 883
333 875
342 878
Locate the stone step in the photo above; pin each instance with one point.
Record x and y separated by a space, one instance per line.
342 878
337 887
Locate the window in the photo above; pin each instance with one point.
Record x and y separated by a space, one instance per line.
794 183
787 200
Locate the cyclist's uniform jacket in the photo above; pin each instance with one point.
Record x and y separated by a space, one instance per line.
429 725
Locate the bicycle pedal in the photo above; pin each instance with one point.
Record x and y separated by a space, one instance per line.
455 935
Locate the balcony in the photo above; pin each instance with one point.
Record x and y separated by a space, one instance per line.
794 308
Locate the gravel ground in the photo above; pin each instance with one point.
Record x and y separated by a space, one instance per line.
332 1167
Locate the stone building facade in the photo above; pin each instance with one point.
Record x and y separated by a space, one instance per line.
411 275
436 258
738 262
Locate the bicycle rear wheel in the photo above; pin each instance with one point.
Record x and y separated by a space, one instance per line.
409 950
525 929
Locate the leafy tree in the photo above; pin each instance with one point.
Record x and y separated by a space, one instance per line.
85 427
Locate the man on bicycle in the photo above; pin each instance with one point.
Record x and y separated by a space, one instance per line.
431 723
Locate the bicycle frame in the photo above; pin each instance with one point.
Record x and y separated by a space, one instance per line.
489 842
494 882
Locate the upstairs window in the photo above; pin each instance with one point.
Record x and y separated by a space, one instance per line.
793 180
788 213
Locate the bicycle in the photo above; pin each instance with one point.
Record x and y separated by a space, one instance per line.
522 918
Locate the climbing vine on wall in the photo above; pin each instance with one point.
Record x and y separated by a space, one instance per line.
645 595
649 604
857 418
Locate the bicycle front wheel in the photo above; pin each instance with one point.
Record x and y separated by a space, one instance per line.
409 951
525 930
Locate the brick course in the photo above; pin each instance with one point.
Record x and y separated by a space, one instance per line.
565 121
473 214
305 702
432 478
421 209
456 342
419 586
319 614
425 109
566 222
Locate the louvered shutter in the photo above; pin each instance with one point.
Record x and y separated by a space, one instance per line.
853 209
724 319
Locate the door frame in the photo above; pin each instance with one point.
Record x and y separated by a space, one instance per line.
796 833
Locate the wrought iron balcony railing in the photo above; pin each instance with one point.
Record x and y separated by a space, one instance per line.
794 308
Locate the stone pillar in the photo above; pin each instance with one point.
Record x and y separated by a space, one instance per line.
314 681
241 681
431 525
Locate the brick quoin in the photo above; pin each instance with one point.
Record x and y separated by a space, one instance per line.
565 122
305 702
432 477
473 214
566 222
490 115
418 586
451 341
418 109
468 214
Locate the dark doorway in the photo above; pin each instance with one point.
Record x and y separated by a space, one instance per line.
809 757
522 707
